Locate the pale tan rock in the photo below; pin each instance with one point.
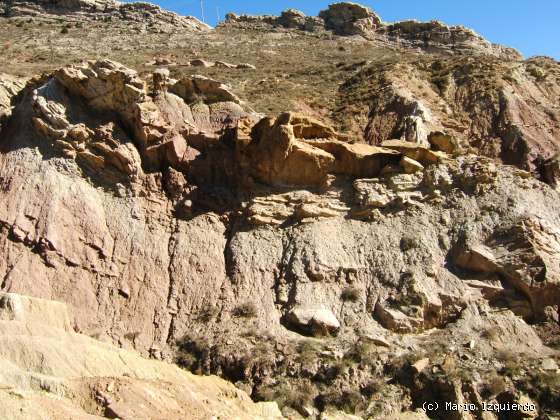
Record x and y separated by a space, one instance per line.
421 365
346 18
443 142
211 90
525 254
316 320
410 166
49 368
415 151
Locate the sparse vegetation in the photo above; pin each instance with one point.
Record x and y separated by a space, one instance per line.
350 294
245 310
208 314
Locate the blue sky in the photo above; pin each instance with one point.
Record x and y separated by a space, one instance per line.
531 26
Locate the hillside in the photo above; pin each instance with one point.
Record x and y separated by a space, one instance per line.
344 216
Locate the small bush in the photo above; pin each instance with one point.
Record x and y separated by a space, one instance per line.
307 352
191 350
8 8
350 294
494 385
287 395
372 388
362 352
64 30
245 310
408 242
208 314
347 401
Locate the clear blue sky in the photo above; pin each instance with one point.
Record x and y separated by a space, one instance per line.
531 26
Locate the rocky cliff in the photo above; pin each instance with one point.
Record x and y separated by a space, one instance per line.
392 243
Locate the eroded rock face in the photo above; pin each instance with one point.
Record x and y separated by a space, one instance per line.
505 115
294 150
525 255
273 222
9 87
91 378
435 36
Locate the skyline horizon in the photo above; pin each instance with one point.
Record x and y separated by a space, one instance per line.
490 20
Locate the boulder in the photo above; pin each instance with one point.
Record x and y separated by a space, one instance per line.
160 80
347 18
410 166
277 157
357 159
292 18
298 150
443 142
397 321
197 62
415 151
316 321
197 87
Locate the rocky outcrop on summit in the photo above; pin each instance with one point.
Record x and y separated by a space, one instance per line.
146 14
436 37
350 19
49 369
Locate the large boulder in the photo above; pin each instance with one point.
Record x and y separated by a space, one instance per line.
298 150
292 18
316 321
347 18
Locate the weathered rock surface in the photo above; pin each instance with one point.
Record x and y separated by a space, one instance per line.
525 255
307 266
435 36
145 14
9 87
350 19
505 114
50 370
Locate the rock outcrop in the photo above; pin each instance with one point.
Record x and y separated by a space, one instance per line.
525 255
504 114
435 36
145 14
10 86
392 243
350 19
49 369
